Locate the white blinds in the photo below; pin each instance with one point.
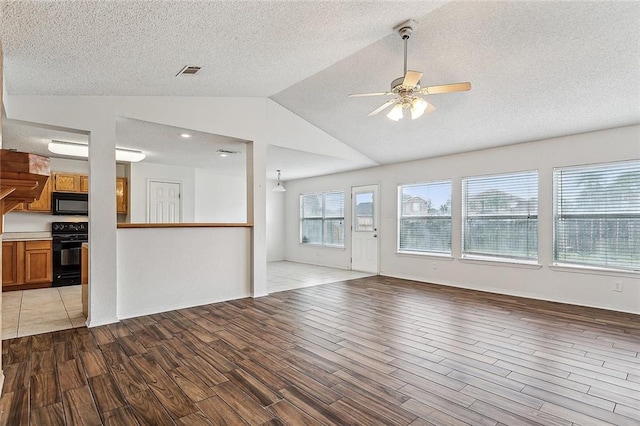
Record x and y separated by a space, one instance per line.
597 215
425 218
500 216
322 219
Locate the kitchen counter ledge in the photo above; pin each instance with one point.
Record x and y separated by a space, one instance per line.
26 236
184 225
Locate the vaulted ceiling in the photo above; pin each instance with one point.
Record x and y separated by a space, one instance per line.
538 69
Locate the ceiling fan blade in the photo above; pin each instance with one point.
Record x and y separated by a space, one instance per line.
357 95
446 88
381 107
412 78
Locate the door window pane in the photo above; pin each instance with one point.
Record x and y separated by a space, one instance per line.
364 212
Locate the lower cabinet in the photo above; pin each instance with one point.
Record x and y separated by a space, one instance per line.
26 264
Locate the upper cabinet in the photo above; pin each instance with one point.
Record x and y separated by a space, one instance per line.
84 183
74 182
42 204
121 195
66 182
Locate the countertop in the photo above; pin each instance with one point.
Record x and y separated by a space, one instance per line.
26 236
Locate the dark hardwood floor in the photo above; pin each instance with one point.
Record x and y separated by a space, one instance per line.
372 351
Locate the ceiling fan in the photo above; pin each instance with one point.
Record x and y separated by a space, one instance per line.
406 89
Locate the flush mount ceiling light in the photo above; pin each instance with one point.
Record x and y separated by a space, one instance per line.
77 149
185 135
406 89
279 187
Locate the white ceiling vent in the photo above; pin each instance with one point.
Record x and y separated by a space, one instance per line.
225 153
189 70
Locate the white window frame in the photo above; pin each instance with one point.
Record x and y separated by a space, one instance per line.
427 217
321 219
558 215
476 255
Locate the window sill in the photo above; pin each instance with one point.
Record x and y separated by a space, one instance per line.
439 256
321 246
501 262
591 270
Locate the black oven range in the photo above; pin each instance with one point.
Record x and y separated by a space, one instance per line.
67 248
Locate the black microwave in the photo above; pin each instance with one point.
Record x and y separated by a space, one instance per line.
70 203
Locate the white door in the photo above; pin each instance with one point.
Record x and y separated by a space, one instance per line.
364 229
164 202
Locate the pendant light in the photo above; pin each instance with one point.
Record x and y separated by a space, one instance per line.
279 187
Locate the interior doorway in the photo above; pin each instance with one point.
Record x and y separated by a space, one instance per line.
164 204
364 229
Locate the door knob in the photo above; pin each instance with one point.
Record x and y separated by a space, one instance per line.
375 235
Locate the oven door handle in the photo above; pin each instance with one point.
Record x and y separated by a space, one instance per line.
71 241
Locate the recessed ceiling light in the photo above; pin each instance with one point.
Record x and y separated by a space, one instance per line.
185 135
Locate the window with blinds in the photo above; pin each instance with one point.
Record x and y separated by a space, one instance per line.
425 218
500 216
322 219
597 215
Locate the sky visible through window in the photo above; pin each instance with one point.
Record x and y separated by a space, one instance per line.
439 192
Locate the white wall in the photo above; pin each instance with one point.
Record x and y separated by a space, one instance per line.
141 173
275 223
168 277
243 118
562 285
220 198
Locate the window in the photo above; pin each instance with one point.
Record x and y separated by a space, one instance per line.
500 216
597 215
425 218
322 219
363 220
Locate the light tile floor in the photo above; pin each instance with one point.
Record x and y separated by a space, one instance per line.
285 275
42 310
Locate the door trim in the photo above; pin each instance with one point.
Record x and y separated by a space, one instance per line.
149 181
377 222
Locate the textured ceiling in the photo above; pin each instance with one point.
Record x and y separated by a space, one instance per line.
162 144
245 48
538 69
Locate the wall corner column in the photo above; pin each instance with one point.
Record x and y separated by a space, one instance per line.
256 214
102 225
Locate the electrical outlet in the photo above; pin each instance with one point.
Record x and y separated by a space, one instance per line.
435 266
617 286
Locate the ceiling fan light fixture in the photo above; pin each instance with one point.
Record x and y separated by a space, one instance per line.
279 187
418 107
396 112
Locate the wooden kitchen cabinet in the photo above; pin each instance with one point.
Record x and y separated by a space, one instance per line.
26 264
42 204
74 182
38 266
122 195
84 183
10 263
66 182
